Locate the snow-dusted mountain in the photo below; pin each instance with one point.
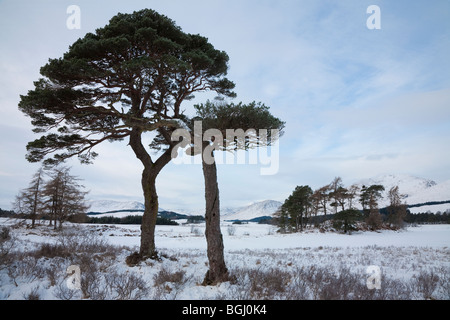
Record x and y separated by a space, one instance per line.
123 208
102 206
408 184
416 190
255 210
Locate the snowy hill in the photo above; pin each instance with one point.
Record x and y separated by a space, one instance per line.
120 209
255 210
415 190
408 185
103 206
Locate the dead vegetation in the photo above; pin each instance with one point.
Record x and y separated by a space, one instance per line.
39 271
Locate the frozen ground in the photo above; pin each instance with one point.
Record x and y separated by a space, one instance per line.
414 263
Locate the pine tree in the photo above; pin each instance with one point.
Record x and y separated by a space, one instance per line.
369 198
297 207
121 82
223 117
345 220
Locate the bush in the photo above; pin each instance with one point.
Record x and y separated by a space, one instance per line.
231 230
165 275
50 250
426 284
7 243
4 234
126 286
260 284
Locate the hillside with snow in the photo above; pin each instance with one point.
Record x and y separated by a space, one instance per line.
415 190
255 210
123 208
104 206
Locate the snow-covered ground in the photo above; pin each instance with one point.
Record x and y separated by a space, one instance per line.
414 263
255 236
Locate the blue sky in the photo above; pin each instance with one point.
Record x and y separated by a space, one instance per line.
357 102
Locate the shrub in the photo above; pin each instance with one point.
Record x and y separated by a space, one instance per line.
50 250
426 284
231 230
126 286
165 275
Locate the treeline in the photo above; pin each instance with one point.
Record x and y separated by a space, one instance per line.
166 218
410 218
6 213
427 218
429 203
84 218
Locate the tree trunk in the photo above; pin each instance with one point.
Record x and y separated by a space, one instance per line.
149 174
218 271
148 247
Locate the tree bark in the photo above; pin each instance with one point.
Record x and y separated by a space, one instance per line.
218 271
148 181
148 247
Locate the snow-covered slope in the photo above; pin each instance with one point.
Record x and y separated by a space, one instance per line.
408 185
111 205
415 190
255 210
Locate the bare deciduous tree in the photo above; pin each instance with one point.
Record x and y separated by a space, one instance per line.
396 209
29 200
63 195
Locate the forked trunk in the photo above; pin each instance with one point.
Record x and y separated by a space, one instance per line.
148 182
218 271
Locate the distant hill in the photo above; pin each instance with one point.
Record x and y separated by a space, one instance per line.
104 206
420 193
120 209
253 211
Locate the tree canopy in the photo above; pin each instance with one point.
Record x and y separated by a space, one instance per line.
134 73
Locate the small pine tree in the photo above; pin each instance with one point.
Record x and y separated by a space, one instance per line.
369 199
346 220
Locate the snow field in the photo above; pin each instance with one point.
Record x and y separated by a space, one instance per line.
415 264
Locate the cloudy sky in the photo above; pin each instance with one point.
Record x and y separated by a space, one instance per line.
357 102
